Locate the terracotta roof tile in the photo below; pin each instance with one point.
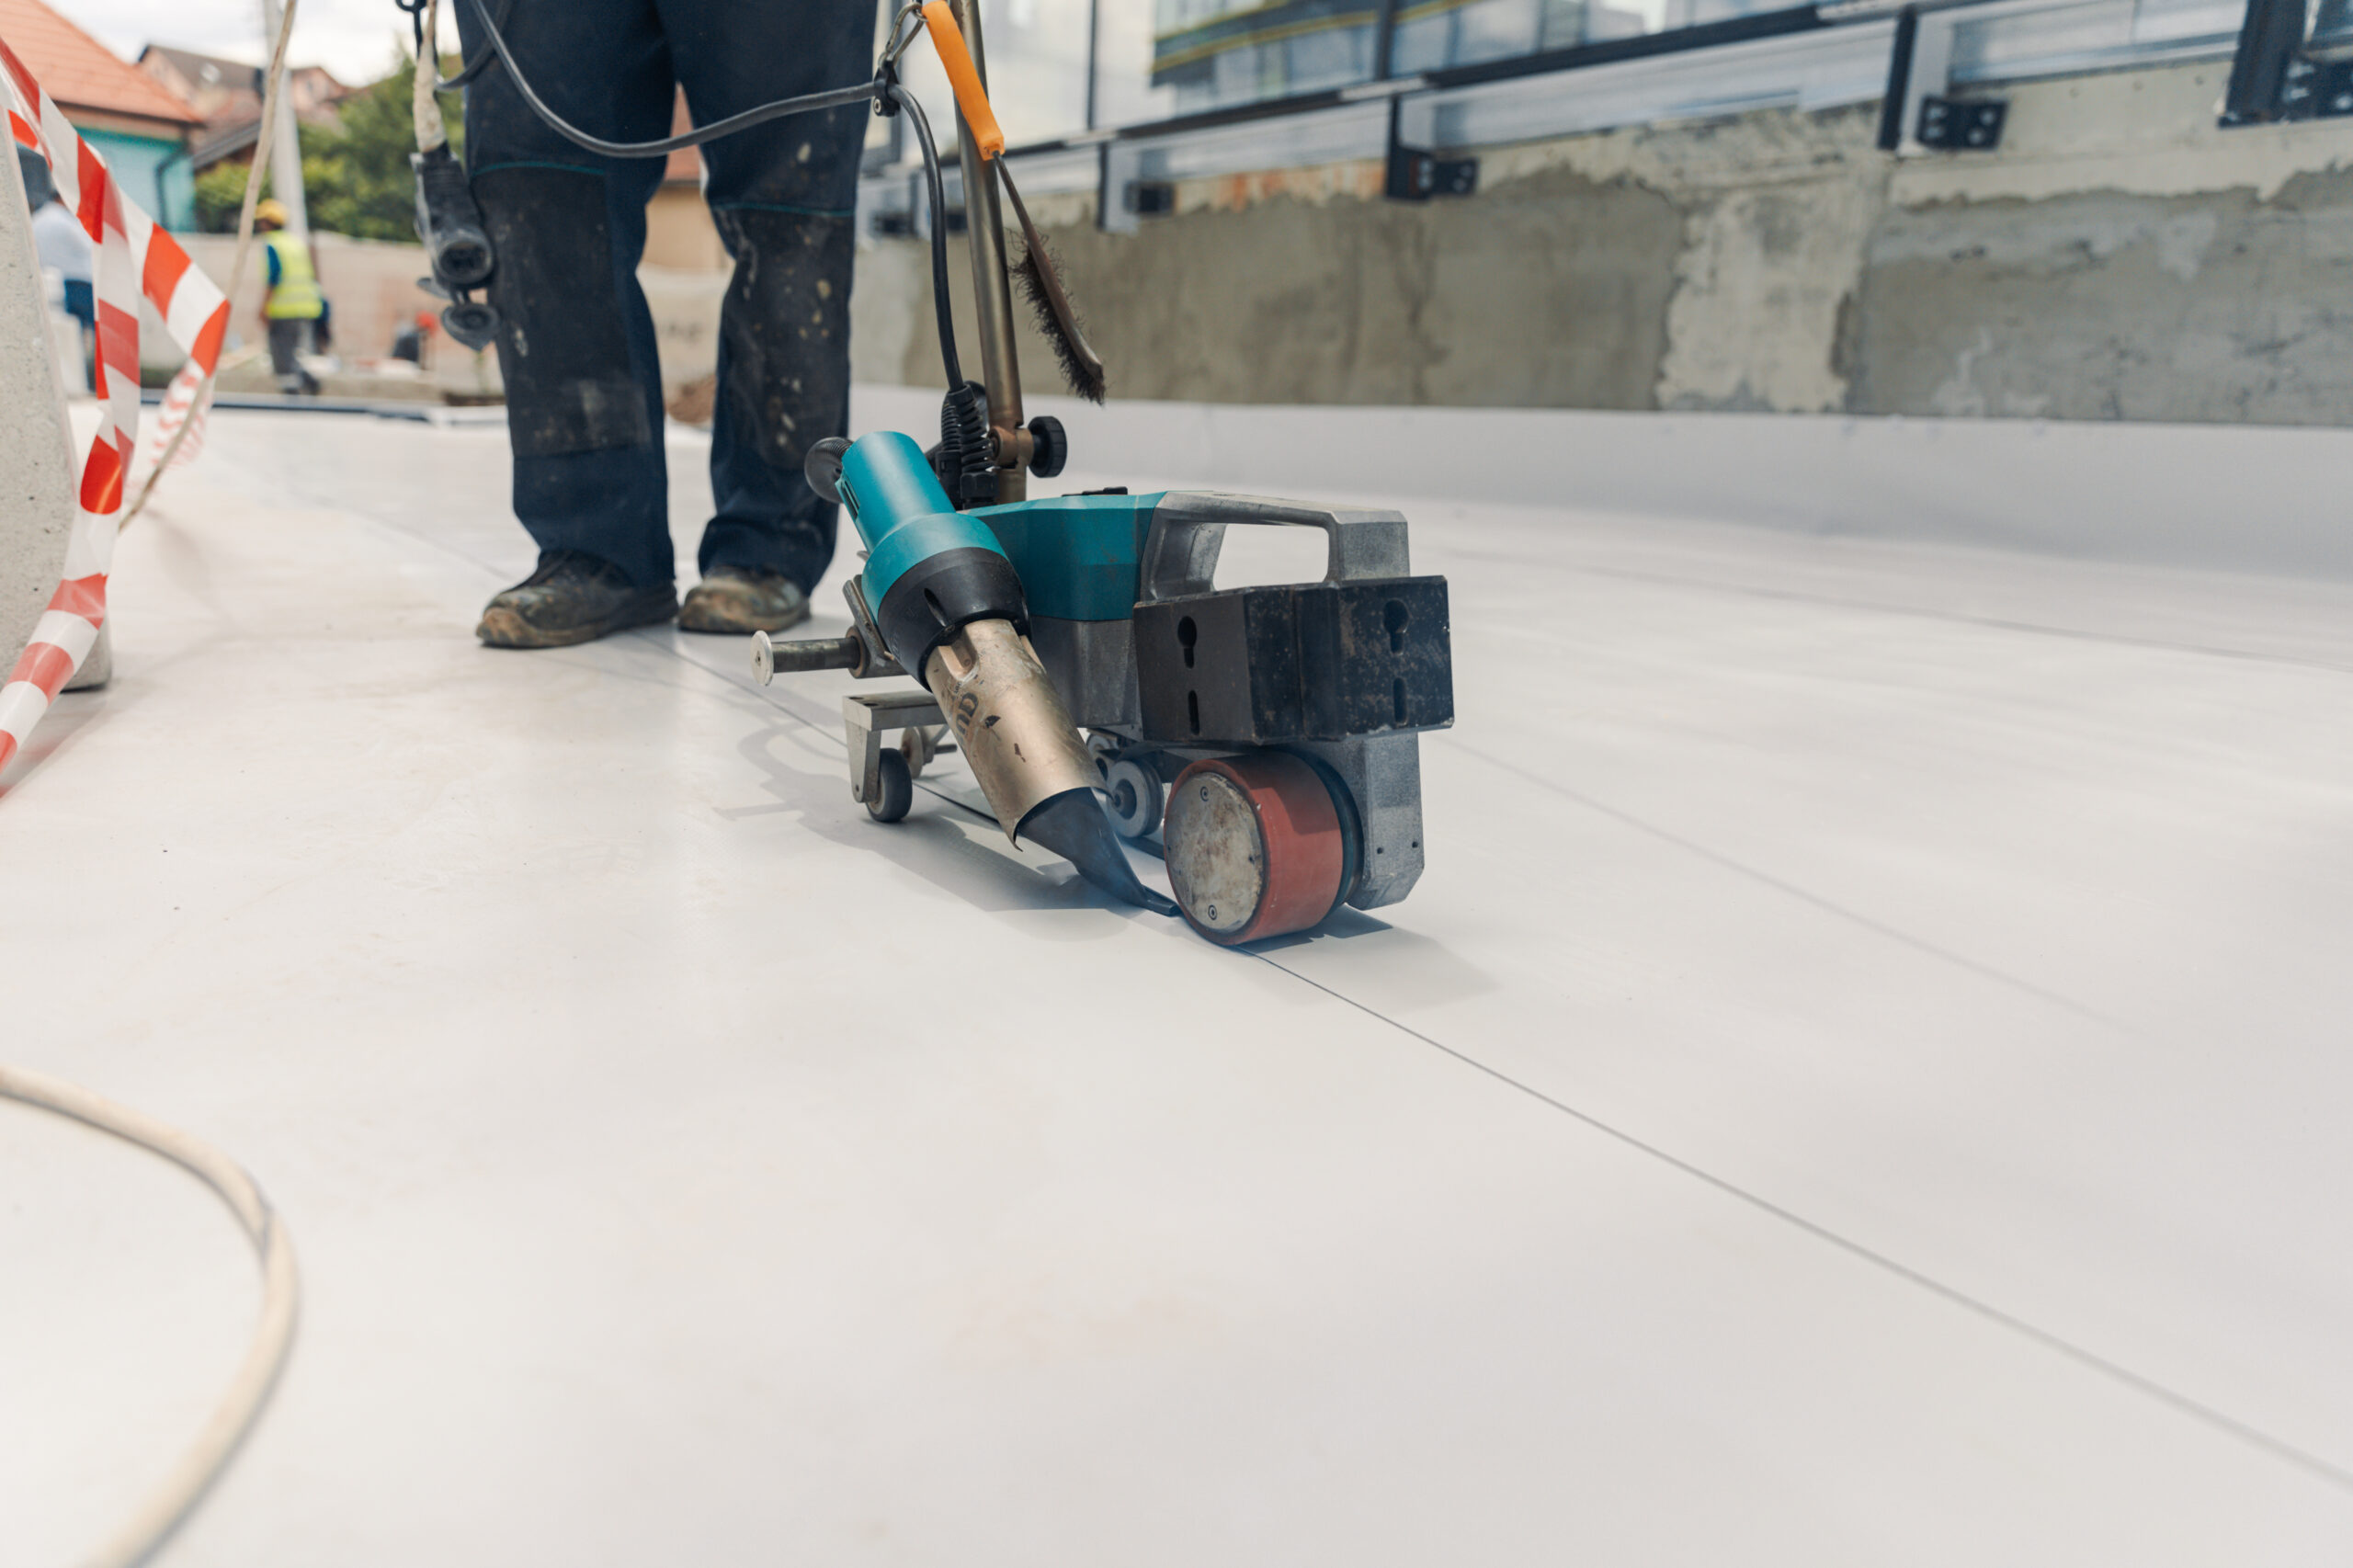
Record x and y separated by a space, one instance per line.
79 72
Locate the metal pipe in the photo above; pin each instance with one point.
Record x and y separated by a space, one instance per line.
1009 721
286 147
991 289
770 659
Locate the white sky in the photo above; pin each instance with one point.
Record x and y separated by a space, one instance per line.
356 39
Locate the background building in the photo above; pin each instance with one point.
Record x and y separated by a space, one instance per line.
226 93
139 125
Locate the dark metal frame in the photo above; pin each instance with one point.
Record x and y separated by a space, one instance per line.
2270 78
1899 79
1382 84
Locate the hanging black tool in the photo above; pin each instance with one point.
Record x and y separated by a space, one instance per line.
456 241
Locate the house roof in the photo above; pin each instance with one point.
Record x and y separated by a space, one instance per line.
227 73
219 141
81 73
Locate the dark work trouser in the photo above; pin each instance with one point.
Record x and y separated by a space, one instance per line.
289 337
577 344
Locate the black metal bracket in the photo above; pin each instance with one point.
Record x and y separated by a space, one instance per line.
1416 174
1899 78
1151 198
2276 78
1972 125
2270 80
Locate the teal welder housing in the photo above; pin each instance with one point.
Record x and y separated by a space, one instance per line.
904 517
1077 556
929 568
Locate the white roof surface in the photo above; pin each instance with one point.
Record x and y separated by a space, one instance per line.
1864 1080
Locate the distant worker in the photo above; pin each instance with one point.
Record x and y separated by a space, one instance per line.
414 342
65 249
577 343
291 300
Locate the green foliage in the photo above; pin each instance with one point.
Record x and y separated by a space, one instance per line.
220 193
356 179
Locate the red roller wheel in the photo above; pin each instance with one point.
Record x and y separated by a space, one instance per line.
1254 847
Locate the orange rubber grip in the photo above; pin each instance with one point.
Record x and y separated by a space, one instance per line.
972 98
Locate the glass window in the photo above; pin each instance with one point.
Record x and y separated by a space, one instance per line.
1159 59
1036 53
1037 66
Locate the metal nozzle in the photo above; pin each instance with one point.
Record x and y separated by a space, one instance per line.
770 659
1074 826
1013 729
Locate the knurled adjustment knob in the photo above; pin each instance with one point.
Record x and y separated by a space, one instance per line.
822 468
1049 447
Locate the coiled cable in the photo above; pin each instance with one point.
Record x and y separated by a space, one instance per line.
170 1503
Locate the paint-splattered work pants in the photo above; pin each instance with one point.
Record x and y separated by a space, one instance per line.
577 343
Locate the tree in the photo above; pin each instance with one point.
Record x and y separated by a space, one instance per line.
355 177
220 194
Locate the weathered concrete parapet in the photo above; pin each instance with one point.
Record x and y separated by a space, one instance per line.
37 469
2119 256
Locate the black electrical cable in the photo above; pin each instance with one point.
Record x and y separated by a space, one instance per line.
838 97
937 192
883 88
415 9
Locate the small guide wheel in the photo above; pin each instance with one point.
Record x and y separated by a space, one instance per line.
1133 796
1101 747
1254 847
898 788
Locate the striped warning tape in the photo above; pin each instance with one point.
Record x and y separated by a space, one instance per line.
181 405
134 258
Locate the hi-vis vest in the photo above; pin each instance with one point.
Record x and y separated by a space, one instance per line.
297 297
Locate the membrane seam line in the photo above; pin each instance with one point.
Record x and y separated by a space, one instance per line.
1717 857
2182 1404
648 636
775 699
1958 618
1791 890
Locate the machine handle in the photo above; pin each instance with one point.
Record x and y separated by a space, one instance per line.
1187 532
971 98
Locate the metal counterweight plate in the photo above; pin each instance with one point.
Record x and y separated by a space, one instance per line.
1217 861
1254 847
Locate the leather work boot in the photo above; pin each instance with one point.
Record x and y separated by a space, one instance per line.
572 597
738 599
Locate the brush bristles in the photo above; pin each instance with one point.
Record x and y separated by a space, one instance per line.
1084 378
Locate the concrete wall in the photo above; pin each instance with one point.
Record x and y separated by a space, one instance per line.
2119 257
373 286
38 473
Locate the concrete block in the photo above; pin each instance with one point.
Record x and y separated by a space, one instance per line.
37 466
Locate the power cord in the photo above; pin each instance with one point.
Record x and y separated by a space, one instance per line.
171 1503
807 103
883 91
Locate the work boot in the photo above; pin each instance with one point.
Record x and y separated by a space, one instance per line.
738 599
572 597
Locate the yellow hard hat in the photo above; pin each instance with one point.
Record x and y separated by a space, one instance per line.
270 211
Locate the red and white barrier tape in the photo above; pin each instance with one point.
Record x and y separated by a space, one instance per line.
134 258
180 406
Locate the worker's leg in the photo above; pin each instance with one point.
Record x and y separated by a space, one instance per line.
783 196
576 346
285 342
306 343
